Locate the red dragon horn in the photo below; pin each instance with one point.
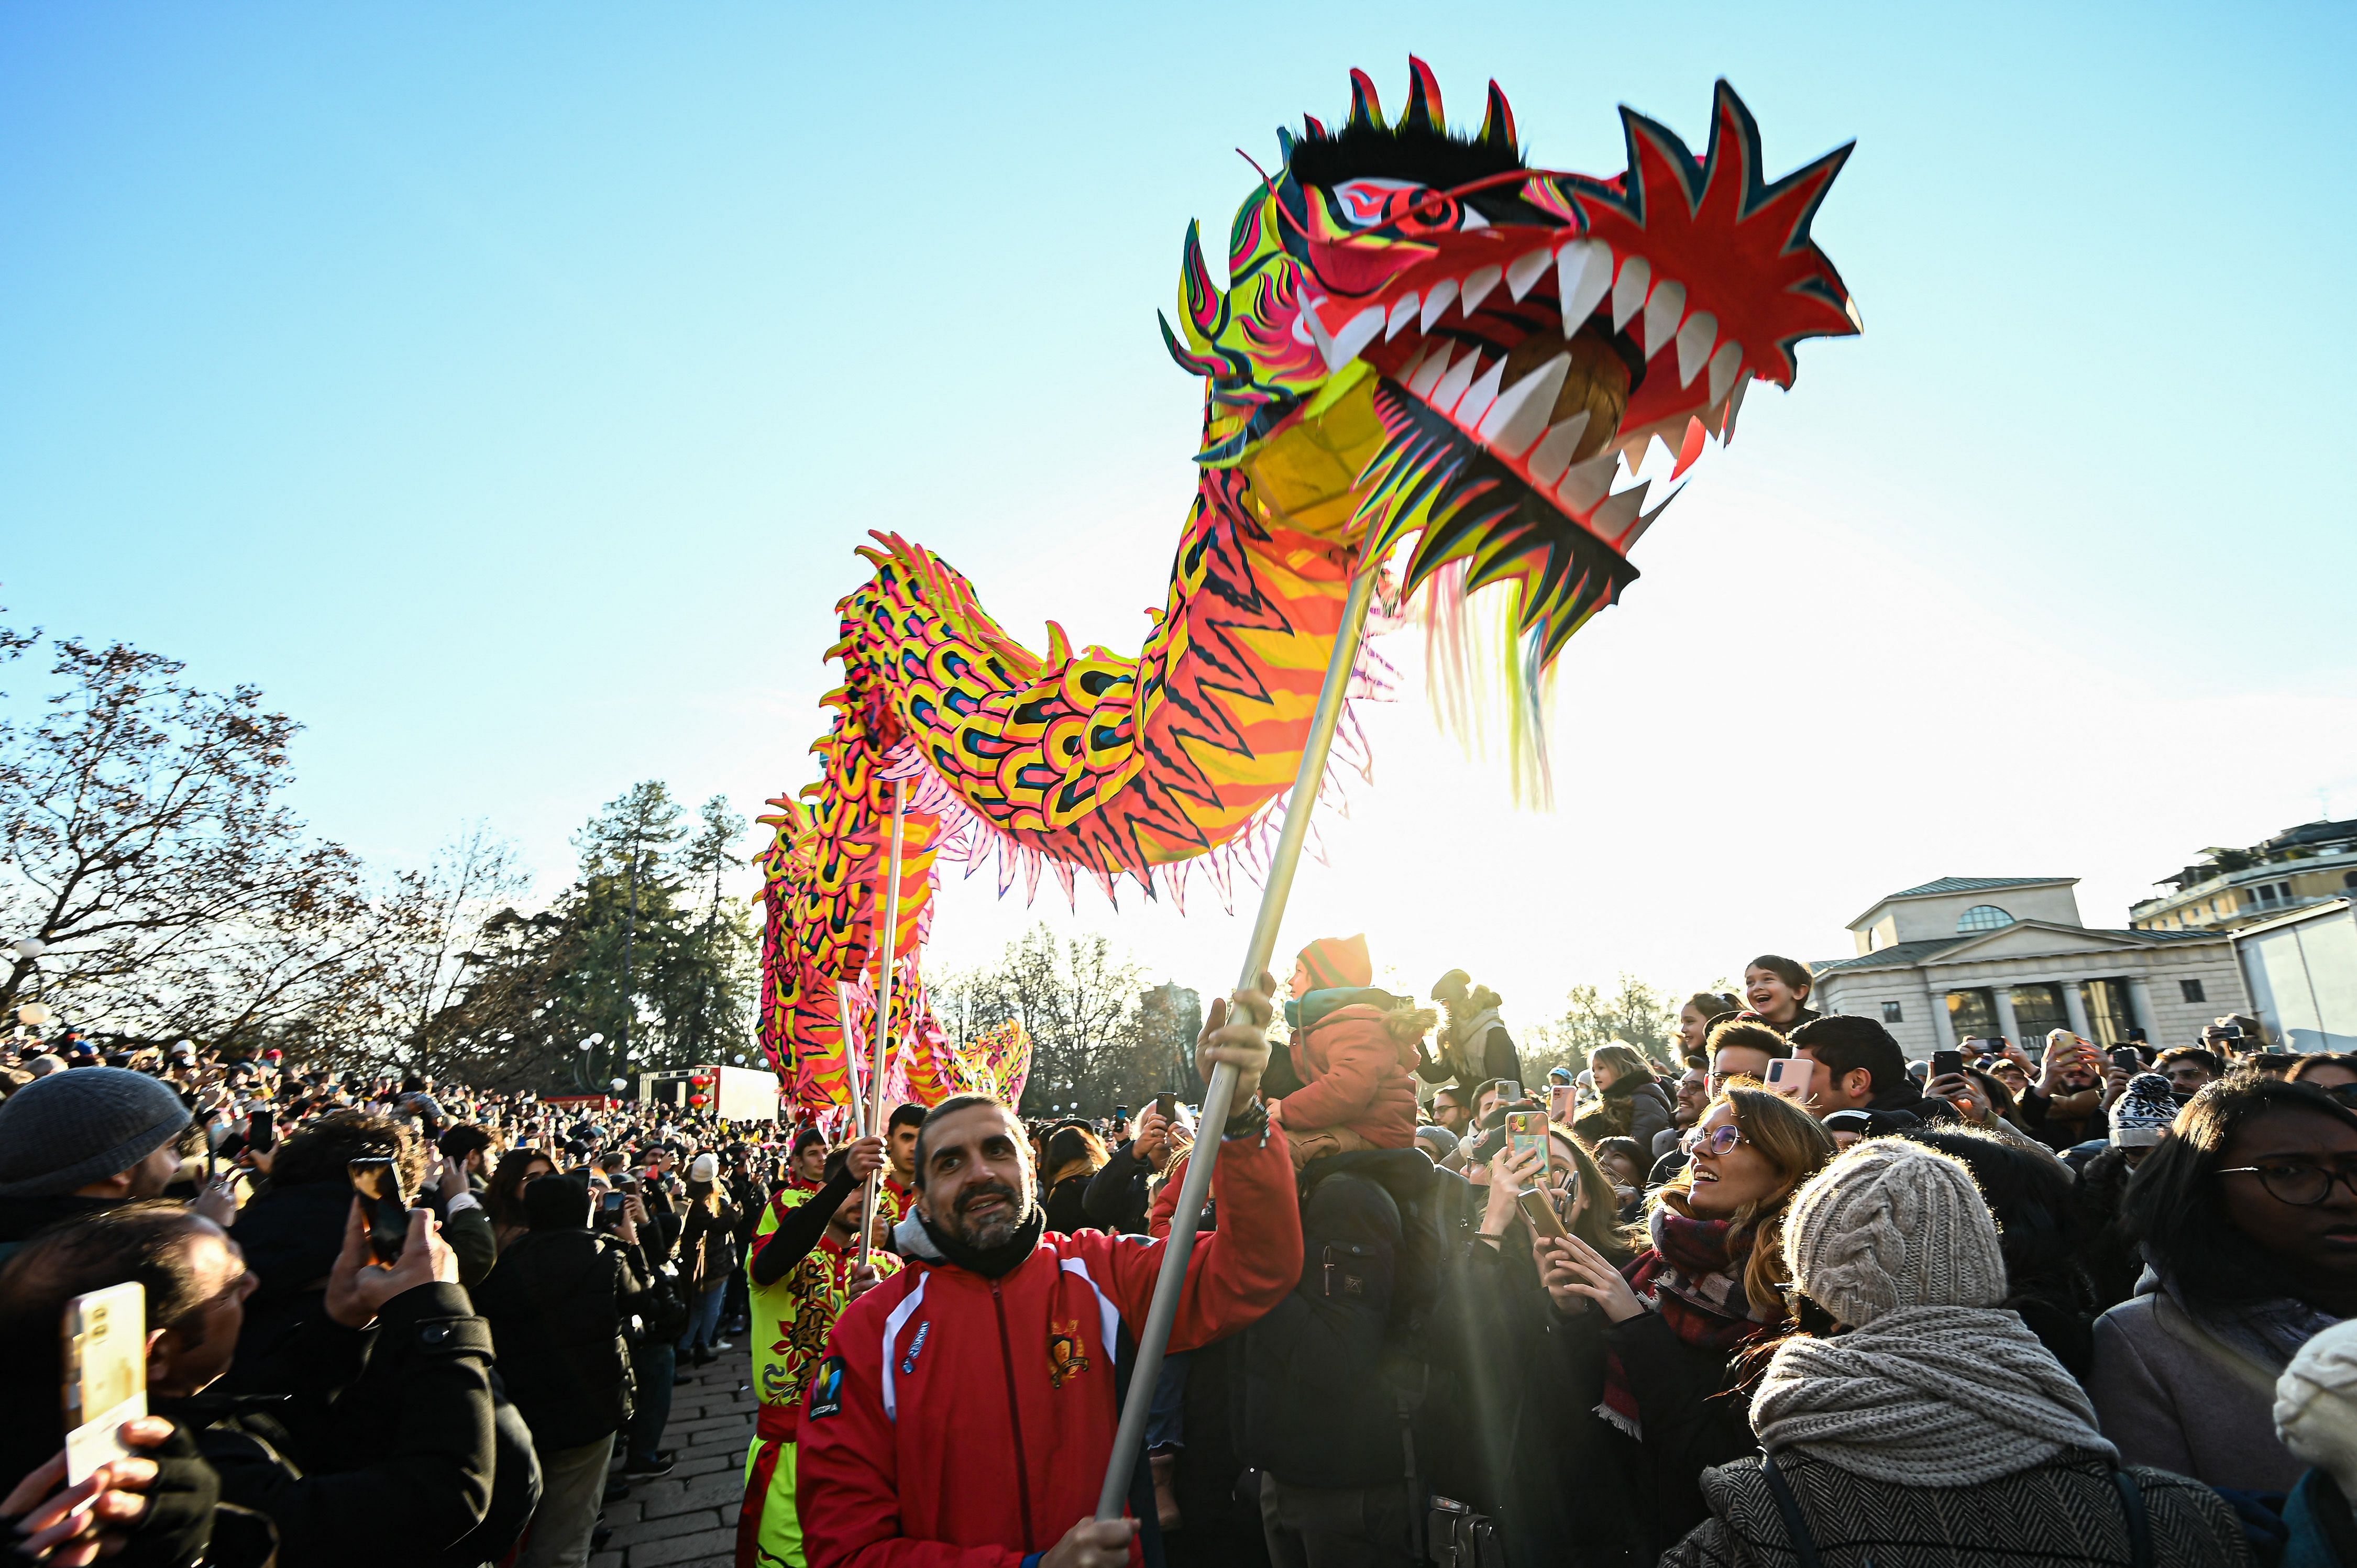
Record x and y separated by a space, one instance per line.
1423 99
1498 123
1366 109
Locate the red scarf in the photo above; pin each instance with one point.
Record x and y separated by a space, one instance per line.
1692 1278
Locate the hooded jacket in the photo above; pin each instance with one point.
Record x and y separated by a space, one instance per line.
962 1420
1354 1075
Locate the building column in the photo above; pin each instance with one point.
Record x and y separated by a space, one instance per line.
2140 1004
2074 1003
2006 1024
1943 1028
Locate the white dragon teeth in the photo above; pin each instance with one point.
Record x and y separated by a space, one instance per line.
1427 375
1477 287
1462 381
1630 289
1629 539
1451 387
1519 416
1586 483
1480 395
1664 308
1552 456
1734 407
1523 273
1444 293
1356 334
1695 339
1723 366
1584 274
1613 518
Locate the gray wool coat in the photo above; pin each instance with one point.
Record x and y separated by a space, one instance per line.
2167 1394
2067 1510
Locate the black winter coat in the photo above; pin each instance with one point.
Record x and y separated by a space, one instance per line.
418 1487
558 1306
1691 1404
1114 1200
1520 1442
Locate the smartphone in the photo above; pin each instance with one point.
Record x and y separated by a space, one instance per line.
1540 1212
378 1182
106 1381
2127 1058
1526 1131
1789 1076
1165 1106
1508 1091
262 1130
612 1203
1562 1100
1946 1064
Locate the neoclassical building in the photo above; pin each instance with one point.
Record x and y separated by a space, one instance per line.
1983 956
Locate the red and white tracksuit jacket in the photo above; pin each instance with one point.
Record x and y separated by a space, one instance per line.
959 1420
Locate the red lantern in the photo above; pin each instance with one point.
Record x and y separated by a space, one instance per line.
695 1099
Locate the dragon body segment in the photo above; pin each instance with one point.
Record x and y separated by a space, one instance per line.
1423 346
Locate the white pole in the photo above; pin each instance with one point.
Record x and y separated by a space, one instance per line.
872 1190
1154 1338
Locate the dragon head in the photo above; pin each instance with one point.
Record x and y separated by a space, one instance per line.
1422 334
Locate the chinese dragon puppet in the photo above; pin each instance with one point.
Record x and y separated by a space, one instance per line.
1429 358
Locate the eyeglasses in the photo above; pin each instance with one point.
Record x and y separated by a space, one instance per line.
2302 1185
1717 1143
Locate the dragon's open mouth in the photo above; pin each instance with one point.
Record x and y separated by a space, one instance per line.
1491 353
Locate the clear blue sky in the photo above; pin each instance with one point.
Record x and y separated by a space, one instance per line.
504 389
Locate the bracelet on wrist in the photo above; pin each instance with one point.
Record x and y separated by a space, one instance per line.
1252 1122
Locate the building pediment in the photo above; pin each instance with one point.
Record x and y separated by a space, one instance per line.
2043 938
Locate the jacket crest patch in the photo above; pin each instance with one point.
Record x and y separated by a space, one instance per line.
1066 1360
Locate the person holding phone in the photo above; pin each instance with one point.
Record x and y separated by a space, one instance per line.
399 1494
2065 1106
1664 1334
1118 1195
1855 1065
1522 1420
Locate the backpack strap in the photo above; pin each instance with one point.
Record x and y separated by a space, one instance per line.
2139 1525
1796 1524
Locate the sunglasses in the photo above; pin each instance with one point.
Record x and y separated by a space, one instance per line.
1717 1143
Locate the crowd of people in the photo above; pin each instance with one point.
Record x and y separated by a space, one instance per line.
1785 1296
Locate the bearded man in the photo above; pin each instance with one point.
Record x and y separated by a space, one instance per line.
966 1407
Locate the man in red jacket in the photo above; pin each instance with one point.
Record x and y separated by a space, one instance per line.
965 1410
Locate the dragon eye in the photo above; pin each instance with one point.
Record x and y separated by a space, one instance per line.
1404 206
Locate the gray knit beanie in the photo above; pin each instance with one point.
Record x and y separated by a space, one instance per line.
1892 1224
70 1129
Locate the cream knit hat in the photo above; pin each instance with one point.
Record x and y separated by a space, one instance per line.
1892 1224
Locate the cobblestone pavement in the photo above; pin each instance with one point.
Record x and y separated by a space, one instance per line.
688 1518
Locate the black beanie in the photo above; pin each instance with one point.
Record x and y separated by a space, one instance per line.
558 1203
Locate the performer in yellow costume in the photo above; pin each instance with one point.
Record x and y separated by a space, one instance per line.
804 1269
